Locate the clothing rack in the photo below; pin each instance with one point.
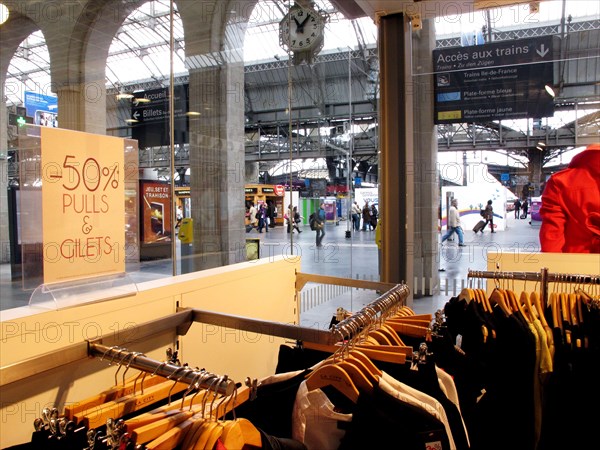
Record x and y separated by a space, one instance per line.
182 320
543 277
375 311
198 378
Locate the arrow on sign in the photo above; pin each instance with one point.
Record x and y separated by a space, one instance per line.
136 115
543 51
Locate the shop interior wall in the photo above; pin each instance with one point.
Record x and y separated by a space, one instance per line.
28 333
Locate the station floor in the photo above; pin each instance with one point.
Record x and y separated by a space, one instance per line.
354 257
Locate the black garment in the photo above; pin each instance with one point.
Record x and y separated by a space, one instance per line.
274 443
508 403
571 391
297 358
380 421
272 409
425 379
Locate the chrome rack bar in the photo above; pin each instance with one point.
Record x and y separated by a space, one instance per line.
380 307
544 277
202 379
178 322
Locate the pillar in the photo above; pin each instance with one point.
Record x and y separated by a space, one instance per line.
217 165
426 187
396 147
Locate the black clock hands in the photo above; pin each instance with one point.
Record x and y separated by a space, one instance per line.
300 26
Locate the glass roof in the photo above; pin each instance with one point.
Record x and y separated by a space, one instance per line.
140 50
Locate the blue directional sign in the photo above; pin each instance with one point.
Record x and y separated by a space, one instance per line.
503 80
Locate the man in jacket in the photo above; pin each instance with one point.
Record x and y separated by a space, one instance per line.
454 224
571 206
320 225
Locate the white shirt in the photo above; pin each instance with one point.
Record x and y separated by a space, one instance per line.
314 421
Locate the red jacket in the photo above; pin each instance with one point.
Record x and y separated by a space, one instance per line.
571 206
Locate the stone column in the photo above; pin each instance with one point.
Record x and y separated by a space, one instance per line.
217 165
426 187
396 147
82 107
252 173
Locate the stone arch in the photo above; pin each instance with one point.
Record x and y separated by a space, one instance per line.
12 33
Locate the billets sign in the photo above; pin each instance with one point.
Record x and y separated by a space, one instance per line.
503 80
150 109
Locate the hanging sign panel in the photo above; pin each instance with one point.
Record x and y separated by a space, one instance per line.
504 80
83 211
150 110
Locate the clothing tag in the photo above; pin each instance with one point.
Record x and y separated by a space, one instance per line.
459 340
483 392
433 440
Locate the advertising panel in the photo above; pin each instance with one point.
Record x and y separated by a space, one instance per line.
504 80
156 212
42 108
83 211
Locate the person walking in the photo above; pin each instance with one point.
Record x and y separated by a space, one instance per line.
263 219
454 224
296 219
320 225
289 215
517 204
525 207
488 215
356 216
252 216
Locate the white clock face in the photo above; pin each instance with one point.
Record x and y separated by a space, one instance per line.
302 29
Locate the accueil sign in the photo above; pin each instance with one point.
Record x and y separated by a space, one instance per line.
83 208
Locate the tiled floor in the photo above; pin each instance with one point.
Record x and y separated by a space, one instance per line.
354 257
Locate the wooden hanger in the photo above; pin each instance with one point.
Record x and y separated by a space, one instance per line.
391 334
485 301
333 375
184 434
370 367
539 307
517 304
129 387
466 294
380 337
497 297
359 378
97 416
240 433
525 299
407 329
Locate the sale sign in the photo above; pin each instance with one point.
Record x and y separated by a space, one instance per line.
83 207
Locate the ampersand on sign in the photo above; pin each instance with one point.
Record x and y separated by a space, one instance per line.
86 228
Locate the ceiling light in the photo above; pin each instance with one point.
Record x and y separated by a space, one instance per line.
131 120
550 91
4 13
122 95
541 144
192 113
140 99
